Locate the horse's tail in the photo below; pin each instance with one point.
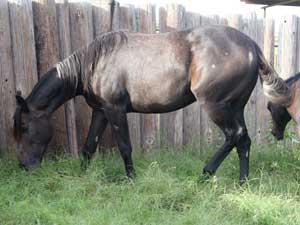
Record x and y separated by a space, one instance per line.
275 88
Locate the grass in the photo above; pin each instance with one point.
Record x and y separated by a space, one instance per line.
167 190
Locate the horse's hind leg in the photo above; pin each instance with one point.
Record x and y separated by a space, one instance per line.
118 120
97 127
232 123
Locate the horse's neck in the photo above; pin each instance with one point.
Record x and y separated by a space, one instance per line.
51 92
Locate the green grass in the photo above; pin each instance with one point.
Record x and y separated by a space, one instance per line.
167 190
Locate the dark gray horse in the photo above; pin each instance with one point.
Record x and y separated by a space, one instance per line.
123 72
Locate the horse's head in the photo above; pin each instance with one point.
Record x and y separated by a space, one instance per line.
280 118
33 132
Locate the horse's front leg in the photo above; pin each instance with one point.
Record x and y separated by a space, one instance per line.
97 127
118 120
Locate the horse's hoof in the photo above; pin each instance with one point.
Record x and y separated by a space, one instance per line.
131 176
84 164
242 181
204 177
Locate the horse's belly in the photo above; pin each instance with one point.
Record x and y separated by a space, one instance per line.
162 97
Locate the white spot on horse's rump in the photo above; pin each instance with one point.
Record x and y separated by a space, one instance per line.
213 66
250 55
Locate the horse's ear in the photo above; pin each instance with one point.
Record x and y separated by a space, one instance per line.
22 103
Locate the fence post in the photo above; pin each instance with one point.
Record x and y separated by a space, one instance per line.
288 40
149 122
81 30
47 52
23 46
171 124
63 22
7 92
128 21
192 113
263 116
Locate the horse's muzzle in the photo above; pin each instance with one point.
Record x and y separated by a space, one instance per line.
277 135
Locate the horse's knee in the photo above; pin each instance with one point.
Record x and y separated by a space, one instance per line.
243 145
125 150
88 152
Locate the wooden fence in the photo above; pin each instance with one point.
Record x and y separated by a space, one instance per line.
34 35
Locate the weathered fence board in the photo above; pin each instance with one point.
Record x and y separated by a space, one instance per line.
81 29
63 22
149 122
47 53
103 22
23 49
288 39
128 21
22 37
7 84
171 124
262 112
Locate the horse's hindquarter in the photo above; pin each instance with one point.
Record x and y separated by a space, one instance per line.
153 72
224 65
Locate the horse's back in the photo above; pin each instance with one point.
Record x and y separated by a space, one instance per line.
164 72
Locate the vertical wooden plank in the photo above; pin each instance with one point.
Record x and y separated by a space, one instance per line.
47 52
192 20
162 20
263 116
7 92
249 27
298 44
101 16
23 47
253 28
288 47
22 37
149 122
63 22
101 10
171 124
128 22
116 16
258 95
192 113
209 131
81 30
128 18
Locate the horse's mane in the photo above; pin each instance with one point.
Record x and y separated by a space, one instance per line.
84 61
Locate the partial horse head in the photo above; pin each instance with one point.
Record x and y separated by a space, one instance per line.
280 118
282 114
33 132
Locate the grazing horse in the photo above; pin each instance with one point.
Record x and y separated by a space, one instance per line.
122 72
282 114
